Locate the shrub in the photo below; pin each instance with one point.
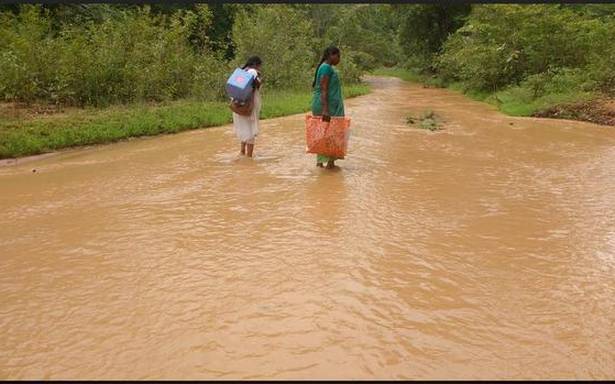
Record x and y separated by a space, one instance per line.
281 36
137 55
502 45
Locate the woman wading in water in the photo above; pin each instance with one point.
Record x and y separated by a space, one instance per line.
246 127
327 98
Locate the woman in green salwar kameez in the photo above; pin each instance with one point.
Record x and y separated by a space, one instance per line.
327 99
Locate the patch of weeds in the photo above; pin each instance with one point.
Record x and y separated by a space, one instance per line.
428 120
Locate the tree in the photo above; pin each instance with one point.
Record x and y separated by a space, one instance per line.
424 28
503 45
370 33
282 37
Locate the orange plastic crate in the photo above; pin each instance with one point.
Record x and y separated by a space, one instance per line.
327 138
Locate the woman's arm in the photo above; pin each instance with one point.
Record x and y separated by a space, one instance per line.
324 97
258 80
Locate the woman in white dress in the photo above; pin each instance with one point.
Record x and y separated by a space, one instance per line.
246 127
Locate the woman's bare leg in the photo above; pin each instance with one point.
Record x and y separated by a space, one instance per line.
250 149
243 147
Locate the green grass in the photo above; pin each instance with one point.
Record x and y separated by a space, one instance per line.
518 101
283 103
514 101
23 137
471 93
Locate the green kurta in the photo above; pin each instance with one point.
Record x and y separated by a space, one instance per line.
334 99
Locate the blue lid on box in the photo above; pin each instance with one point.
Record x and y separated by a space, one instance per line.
239 85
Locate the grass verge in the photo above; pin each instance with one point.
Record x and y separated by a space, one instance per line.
26 136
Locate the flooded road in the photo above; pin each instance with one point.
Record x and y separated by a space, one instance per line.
486 250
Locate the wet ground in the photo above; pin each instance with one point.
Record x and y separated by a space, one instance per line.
599 111
484 250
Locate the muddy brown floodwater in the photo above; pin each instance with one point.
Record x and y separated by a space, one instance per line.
486 250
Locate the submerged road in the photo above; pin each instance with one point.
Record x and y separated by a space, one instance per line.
482 251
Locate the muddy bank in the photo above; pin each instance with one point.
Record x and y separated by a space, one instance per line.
600 111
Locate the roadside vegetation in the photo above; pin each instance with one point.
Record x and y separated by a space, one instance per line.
97 73
23 135
529 60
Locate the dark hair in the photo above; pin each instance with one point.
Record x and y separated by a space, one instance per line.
329 51
252 61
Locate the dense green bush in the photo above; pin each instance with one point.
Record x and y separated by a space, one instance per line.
366 35
423 28
601 60
350 67
542 45
281 37
97 54
100 54
369 35
136 55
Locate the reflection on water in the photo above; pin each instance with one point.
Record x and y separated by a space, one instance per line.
486 250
